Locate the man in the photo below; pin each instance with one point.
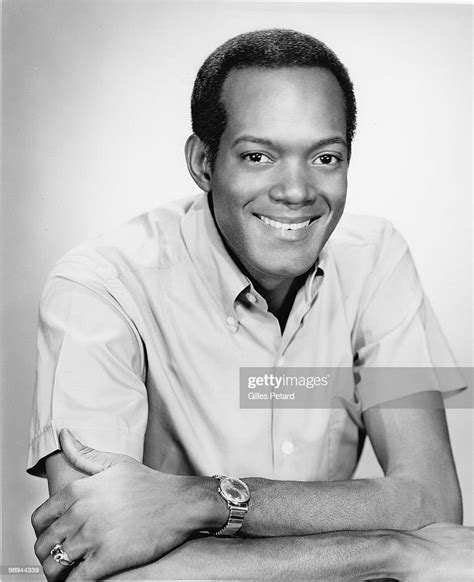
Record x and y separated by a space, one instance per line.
143 333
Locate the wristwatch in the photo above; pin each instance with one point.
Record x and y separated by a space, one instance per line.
236 494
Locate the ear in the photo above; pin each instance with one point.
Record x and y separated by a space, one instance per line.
198 162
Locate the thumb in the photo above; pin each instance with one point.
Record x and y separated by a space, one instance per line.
84 458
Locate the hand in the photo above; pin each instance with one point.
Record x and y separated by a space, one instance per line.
438 553
123 516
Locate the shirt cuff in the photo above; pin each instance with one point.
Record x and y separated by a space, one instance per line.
46 442
379 386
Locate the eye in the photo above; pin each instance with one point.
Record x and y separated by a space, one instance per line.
257 158
327 160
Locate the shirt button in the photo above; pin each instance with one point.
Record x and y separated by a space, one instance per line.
251 297
232 323
287 447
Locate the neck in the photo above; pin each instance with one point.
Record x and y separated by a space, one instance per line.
279 294
280 297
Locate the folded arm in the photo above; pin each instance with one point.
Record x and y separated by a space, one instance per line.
339 556
420 485
435 553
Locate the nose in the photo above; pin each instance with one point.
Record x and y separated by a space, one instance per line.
293 186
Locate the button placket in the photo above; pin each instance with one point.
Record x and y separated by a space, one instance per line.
232 323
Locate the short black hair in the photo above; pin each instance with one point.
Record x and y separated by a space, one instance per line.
271 49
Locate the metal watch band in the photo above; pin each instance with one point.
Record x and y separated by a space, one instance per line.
234 522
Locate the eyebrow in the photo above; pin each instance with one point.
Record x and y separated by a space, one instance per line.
268 142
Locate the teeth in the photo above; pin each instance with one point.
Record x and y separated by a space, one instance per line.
284 225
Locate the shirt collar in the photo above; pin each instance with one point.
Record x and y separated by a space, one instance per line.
315 277
220 274
224 280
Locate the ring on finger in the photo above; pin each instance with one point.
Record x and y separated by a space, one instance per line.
61 556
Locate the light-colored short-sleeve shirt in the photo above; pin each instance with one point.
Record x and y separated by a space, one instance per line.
143 331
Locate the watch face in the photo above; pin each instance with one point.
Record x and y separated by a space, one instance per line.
235 490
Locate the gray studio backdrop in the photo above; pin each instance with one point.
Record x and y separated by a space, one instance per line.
96 113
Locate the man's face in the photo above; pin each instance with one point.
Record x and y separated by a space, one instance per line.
280 177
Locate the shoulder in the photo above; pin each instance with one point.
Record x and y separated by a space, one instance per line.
363 252
151 240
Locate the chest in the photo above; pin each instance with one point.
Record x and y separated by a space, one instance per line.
195 351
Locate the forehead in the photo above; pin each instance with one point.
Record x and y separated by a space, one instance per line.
296 99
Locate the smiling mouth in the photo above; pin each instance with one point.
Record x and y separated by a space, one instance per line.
286 225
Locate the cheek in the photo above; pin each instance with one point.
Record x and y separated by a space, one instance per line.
231 204
335 190
234 182
229 210
235 189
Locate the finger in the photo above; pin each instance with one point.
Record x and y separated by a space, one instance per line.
55 571
88 569
52 508
65 527
97 565
85 458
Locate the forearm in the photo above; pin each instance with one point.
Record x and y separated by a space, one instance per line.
341 556
420 485
279 508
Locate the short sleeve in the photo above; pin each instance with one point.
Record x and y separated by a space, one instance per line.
90 374
400 348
